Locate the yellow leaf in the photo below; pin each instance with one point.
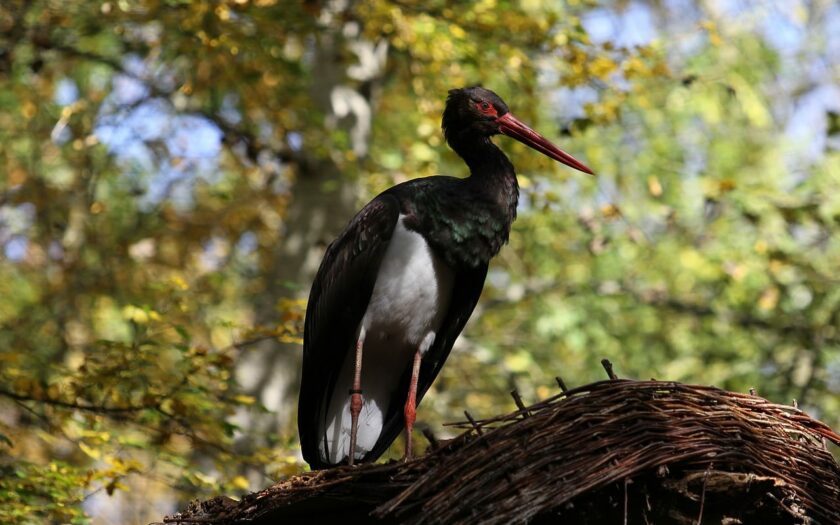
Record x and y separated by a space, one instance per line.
204 478
240 482
769 299
101 436
714 34
602 66
90 451
518 361
726 185
132 313
635 67
654 186
752 103
242 399
610 211
28 110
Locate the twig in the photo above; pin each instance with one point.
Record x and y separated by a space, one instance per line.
430 436
703 494
519 404
609 368
473 423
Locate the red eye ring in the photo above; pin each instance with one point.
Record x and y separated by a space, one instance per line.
486 108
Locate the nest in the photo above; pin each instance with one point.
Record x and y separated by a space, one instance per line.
641 451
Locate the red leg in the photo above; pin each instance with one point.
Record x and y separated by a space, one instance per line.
411 404
356 399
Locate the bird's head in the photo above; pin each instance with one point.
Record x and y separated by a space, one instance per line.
478 113
473 111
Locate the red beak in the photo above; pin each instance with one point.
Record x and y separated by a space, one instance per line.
512 127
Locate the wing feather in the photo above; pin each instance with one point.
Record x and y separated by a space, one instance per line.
337 302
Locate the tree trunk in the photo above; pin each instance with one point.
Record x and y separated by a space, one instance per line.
324 199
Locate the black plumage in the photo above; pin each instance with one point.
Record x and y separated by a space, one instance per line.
464 221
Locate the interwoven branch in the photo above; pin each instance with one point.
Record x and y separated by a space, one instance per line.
617 442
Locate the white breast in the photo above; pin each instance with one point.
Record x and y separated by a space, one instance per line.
409 300
412 291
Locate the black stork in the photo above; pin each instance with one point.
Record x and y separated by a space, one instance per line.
395 289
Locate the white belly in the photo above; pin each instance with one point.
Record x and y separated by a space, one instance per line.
411 294
409 300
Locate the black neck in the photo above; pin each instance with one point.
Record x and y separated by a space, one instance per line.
491 172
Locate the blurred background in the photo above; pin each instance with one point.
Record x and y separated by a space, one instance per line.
171 172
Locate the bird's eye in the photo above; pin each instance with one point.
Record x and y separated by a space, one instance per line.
486 108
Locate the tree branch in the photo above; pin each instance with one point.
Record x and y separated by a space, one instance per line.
72 405
232 134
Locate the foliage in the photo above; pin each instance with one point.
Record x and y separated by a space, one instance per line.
149 154
706 256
